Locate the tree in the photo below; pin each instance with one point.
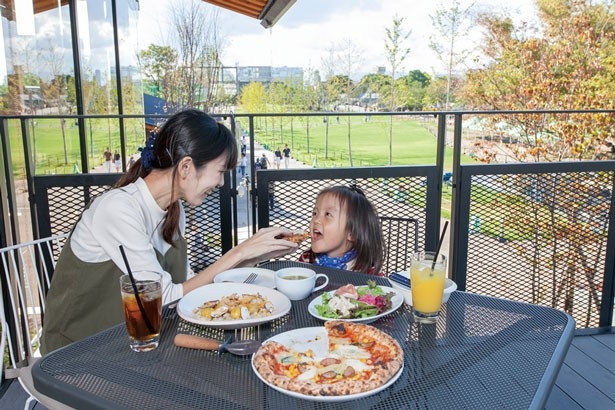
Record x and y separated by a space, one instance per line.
451 24
396 53
55 91
279 98
157 64
416 85
185 72
253 98
305 98
197 42
342 62
561 69
569 68
417 76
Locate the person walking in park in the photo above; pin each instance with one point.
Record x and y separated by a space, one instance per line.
243 163
286 155
244 147
117 162
108 156
277 158
264 161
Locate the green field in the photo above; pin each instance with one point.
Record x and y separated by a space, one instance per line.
413 143
47 144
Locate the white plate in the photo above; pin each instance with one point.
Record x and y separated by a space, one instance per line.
315 338
215 291
396 302
265 277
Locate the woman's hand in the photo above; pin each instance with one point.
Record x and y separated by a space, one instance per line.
264 245
260 247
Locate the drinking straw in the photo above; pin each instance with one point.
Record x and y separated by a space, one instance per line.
134 288
435 258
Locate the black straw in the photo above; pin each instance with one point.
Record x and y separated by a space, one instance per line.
134 288
435 258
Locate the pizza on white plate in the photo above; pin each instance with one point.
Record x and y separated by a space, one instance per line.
360 358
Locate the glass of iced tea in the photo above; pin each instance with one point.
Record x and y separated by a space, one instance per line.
144 315
427 285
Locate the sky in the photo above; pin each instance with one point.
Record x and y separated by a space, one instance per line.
303 35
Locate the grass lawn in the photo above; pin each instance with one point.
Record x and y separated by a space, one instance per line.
47 143
412 144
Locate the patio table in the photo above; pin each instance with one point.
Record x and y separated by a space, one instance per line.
483 352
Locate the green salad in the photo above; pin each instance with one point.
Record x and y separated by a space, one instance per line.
354 302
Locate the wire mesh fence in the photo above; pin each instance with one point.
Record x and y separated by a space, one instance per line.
540 238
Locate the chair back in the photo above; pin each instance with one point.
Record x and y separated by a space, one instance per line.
25 279
401 239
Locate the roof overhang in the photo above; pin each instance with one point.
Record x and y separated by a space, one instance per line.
8 8
267 11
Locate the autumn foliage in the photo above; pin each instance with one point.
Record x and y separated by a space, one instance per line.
568 64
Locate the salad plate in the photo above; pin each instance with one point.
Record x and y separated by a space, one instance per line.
318 306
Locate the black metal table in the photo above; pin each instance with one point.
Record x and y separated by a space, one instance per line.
483 353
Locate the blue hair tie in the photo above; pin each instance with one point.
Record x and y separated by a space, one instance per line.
147 152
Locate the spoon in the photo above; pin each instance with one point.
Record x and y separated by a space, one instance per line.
241 348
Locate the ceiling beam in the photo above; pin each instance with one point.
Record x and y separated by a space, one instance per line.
273 11
267 11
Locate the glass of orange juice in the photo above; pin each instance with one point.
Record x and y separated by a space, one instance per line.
427 285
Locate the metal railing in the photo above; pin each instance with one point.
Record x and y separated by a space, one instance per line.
539 233
536 232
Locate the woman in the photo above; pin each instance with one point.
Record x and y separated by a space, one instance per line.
185 161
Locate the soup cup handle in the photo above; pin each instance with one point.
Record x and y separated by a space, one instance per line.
321 275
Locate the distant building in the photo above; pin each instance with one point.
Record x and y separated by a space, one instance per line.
267 74
32 99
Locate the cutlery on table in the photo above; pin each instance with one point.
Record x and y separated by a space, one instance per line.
402 280
241 348
251 278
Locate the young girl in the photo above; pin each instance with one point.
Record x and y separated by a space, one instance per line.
345 232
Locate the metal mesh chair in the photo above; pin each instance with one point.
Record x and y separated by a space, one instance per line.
26 276
401 238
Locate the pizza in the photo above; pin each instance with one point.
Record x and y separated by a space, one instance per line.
296 237
360 358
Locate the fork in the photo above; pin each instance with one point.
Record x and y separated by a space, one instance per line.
251 278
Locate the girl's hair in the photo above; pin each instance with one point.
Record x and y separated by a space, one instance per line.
189 133
363 224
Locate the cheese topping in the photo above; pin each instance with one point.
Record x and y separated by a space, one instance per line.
350 351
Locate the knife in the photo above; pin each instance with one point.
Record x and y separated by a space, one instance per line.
242 348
